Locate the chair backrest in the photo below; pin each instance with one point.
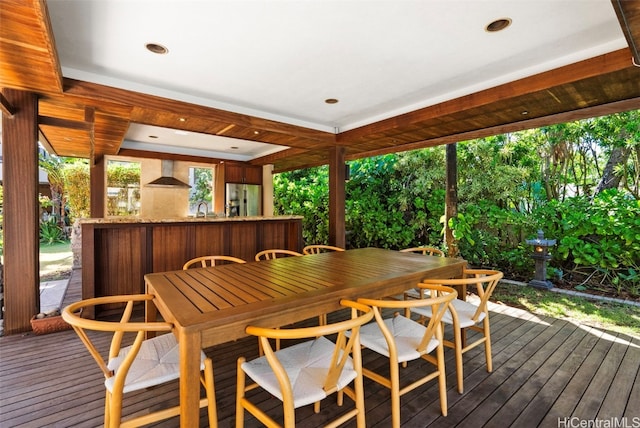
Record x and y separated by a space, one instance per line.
205 261
275 253
72 314
345 344
439 303
430 251
485 281
319 248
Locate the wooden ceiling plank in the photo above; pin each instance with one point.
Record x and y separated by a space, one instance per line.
28 53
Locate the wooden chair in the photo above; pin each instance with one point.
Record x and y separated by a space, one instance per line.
308 371
463 314
275 253
205 261
402 339
144 364
427 251
319 248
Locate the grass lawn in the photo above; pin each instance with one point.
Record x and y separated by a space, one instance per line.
56 261
619 317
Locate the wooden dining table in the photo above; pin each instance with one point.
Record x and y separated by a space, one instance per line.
213 305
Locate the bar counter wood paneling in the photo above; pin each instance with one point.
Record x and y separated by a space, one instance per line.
117 253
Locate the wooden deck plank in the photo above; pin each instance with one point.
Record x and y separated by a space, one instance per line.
527 391
592 399
543 369
537 407
627 372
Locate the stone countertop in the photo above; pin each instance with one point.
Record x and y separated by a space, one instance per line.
118 220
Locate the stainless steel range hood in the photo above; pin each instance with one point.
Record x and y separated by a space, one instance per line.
166 179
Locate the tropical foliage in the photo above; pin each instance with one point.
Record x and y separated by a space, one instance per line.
578 182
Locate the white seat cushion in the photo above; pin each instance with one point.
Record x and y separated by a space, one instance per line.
306 365
407 334
465 311
157 362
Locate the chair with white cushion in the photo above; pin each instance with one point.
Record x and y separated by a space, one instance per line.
206 261
275 253
465 314
320 248
427 251
401 340
308 371
145 363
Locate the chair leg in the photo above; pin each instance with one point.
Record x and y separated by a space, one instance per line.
358 387
107 410
442 379
114 408
457 342
487 344
211 393
394 376
240 385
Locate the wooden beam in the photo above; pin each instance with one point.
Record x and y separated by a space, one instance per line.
6 106
170 156
95 92
602 64
585 113
64 123
628 13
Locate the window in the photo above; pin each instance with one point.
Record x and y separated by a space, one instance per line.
201 181
123 188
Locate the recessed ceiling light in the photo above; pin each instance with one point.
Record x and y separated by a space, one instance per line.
182 119
156 48
234 147
153 136
331 101
498 25
524 112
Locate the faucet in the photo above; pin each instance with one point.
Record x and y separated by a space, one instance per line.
206 209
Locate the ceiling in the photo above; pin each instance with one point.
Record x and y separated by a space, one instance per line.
249 80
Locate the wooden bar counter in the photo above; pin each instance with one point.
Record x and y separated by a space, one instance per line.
118 252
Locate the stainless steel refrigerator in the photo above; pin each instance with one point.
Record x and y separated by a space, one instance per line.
243 200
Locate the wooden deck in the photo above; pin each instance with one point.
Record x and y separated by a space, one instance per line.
544 370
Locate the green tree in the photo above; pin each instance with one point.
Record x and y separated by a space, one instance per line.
77 185
54 167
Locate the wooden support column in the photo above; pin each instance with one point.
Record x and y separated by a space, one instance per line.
337 235
21 210
97 171
451 197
